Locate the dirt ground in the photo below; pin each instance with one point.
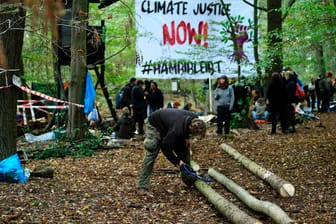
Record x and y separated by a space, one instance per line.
102 188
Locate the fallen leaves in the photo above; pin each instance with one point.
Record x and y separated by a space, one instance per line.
103 188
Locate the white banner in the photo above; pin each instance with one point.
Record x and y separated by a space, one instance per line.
192 39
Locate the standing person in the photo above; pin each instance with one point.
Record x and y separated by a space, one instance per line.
311 94
138 105
154 98
325 91
277 97
168 130
125 100
318 93
293 99
224 95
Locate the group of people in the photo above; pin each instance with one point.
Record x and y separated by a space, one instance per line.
170 129
139 99
279 102
283 97
320 91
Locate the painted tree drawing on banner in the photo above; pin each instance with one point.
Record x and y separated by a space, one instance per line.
242 34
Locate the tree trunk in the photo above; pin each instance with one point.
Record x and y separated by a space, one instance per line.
274 33
225 207
284 188
265 207
256 36
11 42
321 66
76 122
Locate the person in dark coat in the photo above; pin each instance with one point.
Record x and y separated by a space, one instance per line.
325 90
154 98
277 96
293 100
125 100
125 125
138 105
168 130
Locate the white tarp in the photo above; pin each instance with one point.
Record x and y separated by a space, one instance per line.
184 39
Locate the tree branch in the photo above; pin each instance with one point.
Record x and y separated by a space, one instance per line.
290 4
255 6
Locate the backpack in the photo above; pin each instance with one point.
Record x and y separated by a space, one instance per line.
118 98
299 93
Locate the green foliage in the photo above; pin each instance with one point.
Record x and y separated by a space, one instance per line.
67 147
308 26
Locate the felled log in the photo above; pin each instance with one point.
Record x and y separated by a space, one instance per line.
225 207
284 188
42 171
194 166
265 207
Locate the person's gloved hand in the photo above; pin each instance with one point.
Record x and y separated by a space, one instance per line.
185 175
189 176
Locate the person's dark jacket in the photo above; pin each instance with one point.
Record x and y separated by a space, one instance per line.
138 98
125 127
155 99
173 127
277 93
126 96
291 88
324 86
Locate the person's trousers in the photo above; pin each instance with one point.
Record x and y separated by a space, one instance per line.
223 115
280 112
139 116
152 146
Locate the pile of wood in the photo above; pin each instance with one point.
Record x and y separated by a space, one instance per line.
230 210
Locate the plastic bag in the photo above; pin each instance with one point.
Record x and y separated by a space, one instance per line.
93 115
11 170
37 138
90 95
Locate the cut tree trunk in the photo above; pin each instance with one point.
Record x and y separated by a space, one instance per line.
265 207
43 171
225 207
284 188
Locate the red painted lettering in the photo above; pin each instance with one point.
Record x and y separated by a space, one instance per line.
183 32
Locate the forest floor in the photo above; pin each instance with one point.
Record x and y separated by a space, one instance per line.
103 188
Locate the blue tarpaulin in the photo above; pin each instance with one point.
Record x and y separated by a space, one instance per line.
90 95
11 170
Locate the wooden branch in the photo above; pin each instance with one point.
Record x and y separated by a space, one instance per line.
265 207
194 166
255 6
225 207
284 188
42 171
